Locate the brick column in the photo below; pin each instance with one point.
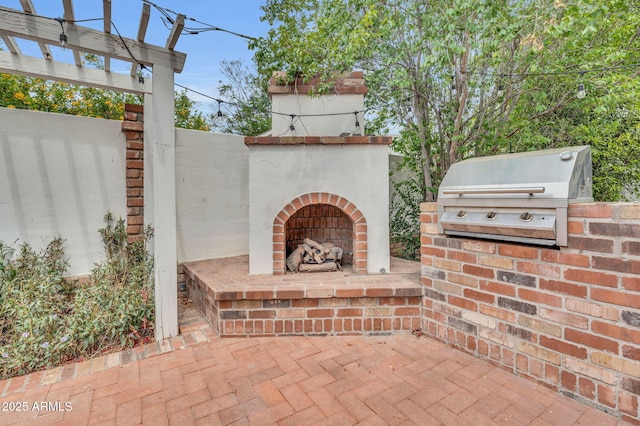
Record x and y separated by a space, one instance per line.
133 127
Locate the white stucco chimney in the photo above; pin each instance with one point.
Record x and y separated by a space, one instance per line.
316 168
332 113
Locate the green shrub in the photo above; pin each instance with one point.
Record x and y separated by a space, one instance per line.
404 218
46 320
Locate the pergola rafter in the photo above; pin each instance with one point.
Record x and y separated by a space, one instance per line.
69 16
81 39
27 6
159 140
142 31
11 44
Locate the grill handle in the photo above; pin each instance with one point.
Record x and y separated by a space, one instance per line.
529 190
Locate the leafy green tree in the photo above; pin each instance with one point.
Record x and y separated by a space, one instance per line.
246 106
590 43
42 95
430 66
187 116
462 78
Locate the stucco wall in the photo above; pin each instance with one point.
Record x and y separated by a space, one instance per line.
212 195
278 174
59 175
314 121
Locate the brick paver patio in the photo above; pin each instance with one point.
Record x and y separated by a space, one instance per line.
202 379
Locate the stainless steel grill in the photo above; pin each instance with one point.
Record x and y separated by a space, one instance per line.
515 197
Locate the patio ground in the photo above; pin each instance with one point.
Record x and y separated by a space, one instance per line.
198 378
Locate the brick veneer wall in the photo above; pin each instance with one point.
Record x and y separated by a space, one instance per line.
133 127
359 228
320 316
301 305
568 319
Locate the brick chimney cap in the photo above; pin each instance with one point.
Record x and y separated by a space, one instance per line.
350 82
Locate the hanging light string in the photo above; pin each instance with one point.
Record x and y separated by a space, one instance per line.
140 64
168 21
208 27
581 93
221 101
63 36
547 73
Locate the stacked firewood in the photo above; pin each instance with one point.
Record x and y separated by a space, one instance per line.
312 256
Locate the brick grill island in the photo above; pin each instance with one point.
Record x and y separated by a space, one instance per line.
329 188
567 318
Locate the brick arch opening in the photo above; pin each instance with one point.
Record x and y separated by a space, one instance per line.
342 220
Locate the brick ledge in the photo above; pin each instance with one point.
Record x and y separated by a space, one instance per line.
317 140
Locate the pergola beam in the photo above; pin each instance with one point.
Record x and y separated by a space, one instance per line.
106 12
69 16
144 22
88 40
176 30
11 44
142 30
68 73
27 6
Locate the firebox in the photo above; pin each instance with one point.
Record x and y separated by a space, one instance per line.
323 223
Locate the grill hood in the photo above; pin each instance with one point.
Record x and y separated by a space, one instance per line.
519 197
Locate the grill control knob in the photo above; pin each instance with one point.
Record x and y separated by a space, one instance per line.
566 155
526 217
492 215
461 214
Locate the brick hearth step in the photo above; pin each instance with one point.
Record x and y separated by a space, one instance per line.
324 303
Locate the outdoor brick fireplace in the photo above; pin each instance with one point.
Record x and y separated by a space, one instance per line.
319 178
313 178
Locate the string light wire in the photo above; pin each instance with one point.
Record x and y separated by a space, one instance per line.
168 19
221 101
208 27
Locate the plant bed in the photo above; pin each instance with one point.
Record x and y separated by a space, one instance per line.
47 320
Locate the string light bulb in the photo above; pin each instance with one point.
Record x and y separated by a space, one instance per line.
219 110
581 92
500 91
141 82
291 126
357 122
63 36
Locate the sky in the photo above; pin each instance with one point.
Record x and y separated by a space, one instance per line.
204 51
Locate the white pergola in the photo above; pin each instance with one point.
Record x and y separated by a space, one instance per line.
159 132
